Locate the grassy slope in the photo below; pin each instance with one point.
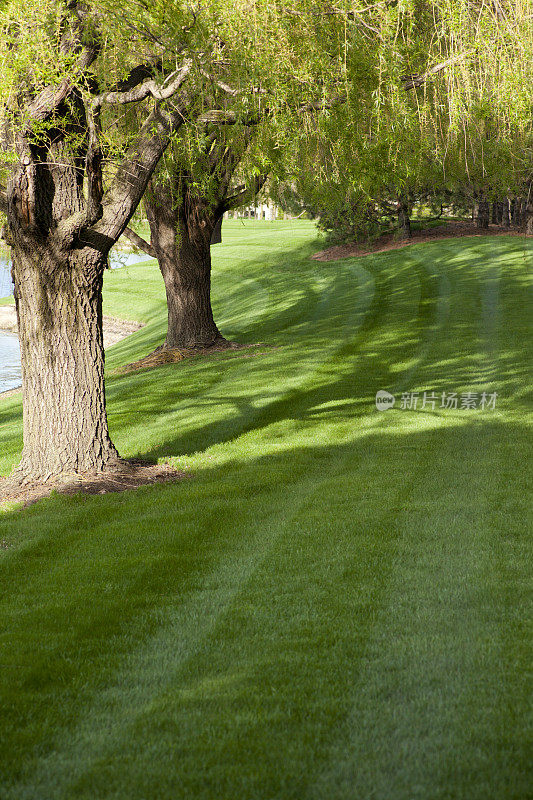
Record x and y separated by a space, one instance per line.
335 606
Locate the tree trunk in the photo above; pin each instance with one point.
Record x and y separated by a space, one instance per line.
404 223
516 214
184 223
59 312
181 240
481 212
506 213
528 224
60 227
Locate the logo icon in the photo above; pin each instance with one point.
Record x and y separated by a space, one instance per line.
384 400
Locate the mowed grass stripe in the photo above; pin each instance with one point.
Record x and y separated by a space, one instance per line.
242 697
434 713
144 673
163 660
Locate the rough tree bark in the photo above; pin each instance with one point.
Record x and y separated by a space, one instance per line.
517 213
57 289
481 212
506 213
59 253
59 311
528 215
181 242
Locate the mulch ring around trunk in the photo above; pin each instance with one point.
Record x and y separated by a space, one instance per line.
390 241
173 355
126 474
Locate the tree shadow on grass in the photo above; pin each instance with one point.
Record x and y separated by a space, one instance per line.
331 362
439 348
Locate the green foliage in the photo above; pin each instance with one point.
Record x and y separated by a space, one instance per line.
466 128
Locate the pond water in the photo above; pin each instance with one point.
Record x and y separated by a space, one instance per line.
9 361
9 346
9 343
6 286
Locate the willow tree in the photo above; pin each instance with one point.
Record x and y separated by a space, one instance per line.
216 166
60 222
488 96
183 216
69 71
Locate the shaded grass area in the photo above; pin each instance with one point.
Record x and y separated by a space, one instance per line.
337 605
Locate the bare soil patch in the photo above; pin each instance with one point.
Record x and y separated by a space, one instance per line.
117 329
126 474
390 241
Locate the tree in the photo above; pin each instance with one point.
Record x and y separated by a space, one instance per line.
446 115
74 173
61 224
182 216
216 167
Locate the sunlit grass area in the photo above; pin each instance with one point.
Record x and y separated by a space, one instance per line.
336 605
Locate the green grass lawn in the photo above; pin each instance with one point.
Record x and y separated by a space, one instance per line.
336 605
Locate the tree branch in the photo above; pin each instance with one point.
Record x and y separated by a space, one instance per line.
93 167
133 174
70 228
137 75
147 89
414 81
245 193
109 218
221 85
222 117
229 89
321 105
51 97
139 242
226 117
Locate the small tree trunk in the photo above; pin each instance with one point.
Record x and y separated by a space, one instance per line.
521 213
404 223
506 213
494 213
187 279
516 213
481 212
528 224
58 302
181 240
